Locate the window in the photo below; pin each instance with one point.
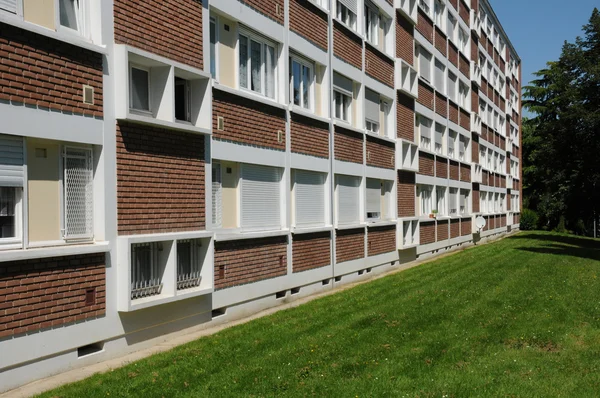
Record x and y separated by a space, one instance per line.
71 14
451 27
188 264
346 12
452 135
371 24
372 127
385 108
424 126
258 64
464 201
9 204
301 82
372 111
440 73
439 138
463 95
463 40
424 64
424 5
502 200
483 202
462 148
213 47
348 188
78 193
146 275
374 188
425 200
438 14
452 202
309 191
342 106
139 89
183 102
440 197
217 196
11 188
452 80
260 197
322 3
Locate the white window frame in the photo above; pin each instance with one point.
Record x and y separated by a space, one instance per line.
440 201
453 199
463 40
217 194
463 206
440 85
80 14
425 196
425 5
425 72
147 70
452 143
311 89
438 14
372 127
347 108
345 16
425 142
439 147
10 242
371 18
463 95
251 36
214 20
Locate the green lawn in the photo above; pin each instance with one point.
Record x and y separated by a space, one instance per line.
520 317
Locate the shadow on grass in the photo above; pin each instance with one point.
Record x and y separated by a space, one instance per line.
562 245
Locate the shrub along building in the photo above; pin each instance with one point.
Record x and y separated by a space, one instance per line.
170 165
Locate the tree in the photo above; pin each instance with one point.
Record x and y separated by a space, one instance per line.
561 144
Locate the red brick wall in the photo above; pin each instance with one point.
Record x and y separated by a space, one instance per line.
508 201
465 172
425 95
441 167
454 172
39 71
464 66
309 136
42 293
476 198
247 121
454 4
239 262
441 105
406 194
348 145
310 251
427 232
440 41
309 21
442 230
454 228
484 178
453 54
475 148
453 112
405 47
463 11
425 26
160 180
426 164
378 66
346 45
405 116
268 8
381 240
465 120
148 25
465 226
380 153
349 245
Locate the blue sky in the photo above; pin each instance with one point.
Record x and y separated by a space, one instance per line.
538 28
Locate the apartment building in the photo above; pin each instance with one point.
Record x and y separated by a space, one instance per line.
167 166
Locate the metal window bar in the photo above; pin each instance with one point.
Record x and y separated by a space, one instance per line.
145 274
188 264
78 193
217 216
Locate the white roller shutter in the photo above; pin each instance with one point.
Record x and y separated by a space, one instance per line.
342 83
439 133
371 105
260 201
452 200
440 70
351 5
425 64
11 161
425 127
310 198
348 199
373 198
9 5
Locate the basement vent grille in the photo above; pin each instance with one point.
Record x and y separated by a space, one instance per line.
220 123
88 95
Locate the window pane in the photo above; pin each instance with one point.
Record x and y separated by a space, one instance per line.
243 61
306 87
181 99
296 82
68 13
7 212
139 89
213 41
270 71
255 66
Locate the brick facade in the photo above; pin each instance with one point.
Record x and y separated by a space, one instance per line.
381 240
453 112
348 145
347 45
380 153
425 95
454 228
426 164
406 194
465 226
349 245
160 180
309 21
441 105
454 170
310 251
465 172
442 230
42 293
405 116
239 262
268 8
441 167
148 25
427 232
440 41
46 73
247 121
379 66
405 39
309 136
453 54
425 26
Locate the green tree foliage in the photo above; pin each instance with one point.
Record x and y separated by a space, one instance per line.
561 144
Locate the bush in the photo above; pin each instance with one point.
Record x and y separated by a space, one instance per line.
529 220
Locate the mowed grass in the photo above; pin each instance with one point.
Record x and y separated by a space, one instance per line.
520 317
